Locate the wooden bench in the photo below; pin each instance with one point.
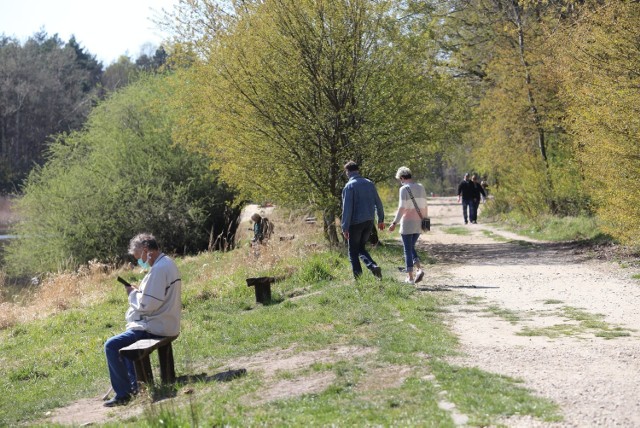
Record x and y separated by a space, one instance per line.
139 353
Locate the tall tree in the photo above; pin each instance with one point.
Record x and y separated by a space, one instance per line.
289 90
45 88
600 61
503 45
119 74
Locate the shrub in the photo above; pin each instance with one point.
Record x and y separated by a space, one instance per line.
120 176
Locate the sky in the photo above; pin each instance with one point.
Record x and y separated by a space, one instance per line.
106 29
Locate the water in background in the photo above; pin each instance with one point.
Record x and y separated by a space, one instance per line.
7 216
11 289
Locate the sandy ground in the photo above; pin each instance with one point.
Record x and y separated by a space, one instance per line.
594 380
505 284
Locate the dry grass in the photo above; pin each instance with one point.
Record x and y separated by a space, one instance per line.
293 240
56 293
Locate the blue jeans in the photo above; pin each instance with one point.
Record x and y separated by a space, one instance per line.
358 237
467 207
410 255
121 370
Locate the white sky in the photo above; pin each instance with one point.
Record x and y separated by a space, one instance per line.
107 29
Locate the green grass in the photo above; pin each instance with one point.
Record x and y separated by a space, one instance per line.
551 228
481 395
457 230
52 362
494 236
505 314
581 322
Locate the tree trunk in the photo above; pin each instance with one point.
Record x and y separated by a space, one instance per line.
517 15
330 230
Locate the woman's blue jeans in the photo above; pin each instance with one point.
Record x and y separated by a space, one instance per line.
410 255
121 370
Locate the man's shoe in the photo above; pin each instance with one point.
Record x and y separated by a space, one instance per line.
409 281
377 272
419 275
115 401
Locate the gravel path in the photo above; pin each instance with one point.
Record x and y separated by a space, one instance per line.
511 284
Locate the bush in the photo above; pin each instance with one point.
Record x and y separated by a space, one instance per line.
120 176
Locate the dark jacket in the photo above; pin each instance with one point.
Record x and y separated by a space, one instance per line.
466 190
477 191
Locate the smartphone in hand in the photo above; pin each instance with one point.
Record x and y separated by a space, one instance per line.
124 282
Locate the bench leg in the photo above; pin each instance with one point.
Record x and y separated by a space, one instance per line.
167 368
143 370
263 293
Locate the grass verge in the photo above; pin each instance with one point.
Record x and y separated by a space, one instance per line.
551 228
582 323
328 350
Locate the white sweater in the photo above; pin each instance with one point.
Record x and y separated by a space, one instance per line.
156 305
407 215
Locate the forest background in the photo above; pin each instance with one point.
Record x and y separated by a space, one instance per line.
266 100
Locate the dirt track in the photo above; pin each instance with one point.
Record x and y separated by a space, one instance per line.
521 284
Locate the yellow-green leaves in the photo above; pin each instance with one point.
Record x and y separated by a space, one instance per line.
601 88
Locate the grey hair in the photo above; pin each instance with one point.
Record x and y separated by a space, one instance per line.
142 240
403 172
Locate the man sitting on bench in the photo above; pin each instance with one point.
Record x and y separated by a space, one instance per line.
154 312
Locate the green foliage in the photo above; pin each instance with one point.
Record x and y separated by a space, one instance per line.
291 90
601 59
519 142
319 268
121 176
46 88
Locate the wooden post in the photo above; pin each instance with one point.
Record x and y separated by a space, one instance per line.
262 287
167 369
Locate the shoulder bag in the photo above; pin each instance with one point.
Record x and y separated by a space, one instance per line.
425 223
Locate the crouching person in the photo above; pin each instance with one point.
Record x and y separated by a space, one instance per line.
154 312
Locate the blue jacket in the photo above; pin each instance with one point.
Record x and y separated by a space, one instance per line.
360 202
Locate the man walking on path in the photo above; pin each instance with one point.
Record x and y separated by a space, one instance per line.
466 192
478 195
360 204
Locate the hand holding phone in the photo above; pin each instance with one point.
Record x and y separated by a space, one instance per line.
124 282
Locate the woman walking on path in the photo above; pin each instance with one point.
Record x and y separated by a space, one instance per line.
411 195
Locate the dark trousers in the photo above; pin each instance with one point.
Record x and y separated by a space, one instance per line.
467 209
358 238
121 370
473 215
